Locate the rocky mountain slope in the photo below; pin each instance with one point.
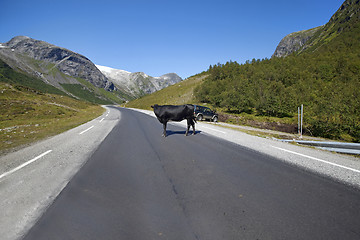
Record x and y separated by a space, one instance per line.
309 40
294 42
76 75
43 59
138 84
61 68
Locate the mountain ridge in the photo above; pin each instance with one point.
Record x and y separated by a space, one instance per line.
294 42
75 74
310 40
66 61
138 84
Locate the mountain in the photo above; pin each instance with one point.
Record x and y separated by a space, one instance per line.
309 40
294 42
22 51
66 70
138 84
76 75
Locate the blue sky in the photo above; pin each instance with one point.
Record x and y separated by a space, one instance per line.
163 36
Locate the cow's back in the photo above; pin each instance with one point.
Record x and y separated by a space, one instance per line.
174 112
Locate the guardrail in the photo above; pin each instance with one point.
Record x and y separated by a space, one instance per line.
340 147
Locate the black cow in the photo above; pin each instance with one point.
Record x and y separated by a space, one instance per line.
178 113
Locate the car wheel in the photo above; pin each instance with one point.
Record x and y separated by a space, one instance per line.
215 119
200 117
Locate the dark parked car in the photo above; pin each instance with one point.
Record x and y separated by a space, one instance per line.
205 113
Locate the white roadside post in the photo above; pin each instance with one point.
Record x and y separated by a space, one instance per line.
299 120
302 116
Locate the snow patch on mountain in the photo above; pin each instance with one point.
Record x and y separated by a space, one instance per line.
138 84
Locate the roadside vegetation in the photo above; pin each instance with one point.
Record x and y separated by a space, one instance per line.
183 93
324 77
28 115
326 82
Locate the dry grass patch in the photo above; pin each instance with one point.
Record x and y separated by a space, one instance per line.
27 115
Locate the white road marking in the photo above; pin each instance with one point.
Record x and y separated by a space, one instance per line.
101 119
24 164
317 159
214 130
86 130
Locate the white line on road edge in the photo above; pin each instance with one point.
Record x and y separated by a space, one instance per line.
86 130
101 119
24 164
213 129
317 159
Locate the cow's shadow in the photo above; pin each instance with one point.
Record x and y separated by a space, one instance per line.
170 132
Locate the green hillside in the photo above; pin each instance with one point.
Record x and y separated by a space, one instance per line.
344 20
180 93
28 115
84 90
31 110
325 77
8 75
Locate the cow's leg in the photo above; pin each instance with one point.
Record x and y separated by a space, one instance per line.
188 127
164 133
190 122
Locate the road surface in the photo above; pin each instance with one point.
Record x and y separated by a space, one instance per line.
139 185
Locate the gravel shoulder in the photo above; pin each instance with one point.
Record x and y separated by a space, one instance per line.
339 167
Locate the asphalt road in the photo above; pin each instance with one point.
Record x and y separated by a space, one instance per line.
31 178
139 185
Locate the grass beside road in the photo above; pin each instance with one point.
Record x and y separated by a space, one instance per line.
183 92
27 115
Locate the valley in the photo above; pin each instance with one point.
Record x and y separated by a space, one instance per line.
317 68
75 74
82 154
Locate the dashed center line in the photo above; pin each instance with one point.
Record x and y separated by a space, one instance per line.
24 164
317 159
47 152
86 130
40 156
